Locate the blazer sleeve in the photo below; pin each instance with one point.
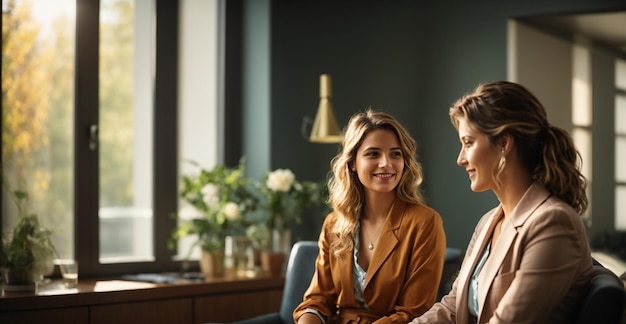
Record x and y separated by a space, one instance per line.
551 257
321 294
425 266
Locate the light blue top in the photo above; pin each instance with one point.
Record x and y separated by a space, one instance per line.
359 278
472 300
359 273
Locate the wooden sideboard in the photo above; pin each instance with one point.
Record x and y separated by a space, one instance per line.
214 300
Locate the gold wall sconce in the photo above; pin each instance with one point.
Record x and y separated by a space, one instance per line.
325 128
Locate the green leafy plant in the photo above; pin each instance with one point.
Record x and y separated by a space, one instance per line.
28 246
219 199
284 199
224 201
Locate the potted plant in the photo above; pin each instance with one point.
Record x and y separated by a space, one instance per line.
284 200
27 251
219 198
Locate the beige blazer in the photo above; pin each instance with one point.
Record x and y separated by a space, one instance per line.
403 275
536 272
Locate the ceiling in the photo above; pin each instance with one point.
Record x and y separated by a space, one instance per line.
606 28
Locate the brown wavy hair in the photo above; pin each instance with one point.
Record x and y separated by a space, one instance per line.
346 192
547 151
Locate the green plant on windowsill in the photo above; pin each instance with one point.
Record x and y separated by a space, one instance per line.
26 251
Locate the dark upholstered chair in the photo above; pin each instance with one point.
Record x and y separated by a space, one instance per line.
451 267
605 299
300 269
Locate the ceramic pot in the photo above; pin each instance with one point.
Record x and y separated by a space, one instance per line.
212 264
272 262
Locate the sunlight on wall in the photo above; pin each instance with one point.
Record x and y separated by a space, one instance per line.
582 113
581 86
620 145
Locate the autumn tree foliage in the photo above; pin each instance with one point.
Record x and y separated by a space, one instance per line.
25 85
37 96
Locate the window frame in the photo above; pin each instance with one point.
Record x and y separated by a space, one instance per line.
86 205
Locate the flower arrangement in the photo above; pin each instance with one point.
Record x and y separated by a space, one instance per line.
221 198
284 200
226 202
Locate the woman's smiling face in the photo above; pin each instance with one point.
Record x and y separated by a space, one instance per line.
478 157
379 161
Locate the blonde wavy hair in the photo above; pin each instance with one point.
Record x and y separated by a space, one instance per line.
346 192
547 151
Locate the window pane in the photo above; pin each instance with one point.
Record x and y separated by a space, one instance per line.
37 112
126 115
198 113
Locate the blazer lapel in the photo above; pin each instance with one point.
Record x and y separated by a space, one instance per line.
387 241
494 261
465 274
532 198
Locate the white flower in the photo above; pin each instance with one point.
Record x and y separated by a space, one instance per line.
231 210
209 195
280 180
188 212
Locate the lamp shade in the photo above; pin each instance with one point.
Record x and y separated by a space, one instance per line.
325 128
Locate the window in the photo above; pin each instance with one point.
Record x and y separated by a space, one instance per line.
96 119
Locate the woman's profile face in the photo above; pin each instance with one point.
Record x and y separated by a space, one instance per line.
379 161
477 156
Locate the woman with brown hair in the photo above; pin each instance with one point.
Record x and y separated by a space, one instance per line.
528 260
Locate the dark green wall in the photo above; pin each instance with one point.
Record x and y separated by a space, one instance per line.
409 59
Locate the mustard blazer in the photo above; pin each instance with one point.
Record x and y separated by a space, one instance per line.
536 272
403 275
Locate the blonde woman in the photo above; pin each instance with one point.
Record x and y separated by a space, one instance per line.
528 260
381 248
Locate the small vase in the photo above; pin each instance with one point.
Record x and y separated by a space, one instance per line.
281 240
212 263
237 253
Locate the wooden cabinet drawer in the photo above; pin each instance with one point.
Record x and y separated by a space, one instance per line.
154 312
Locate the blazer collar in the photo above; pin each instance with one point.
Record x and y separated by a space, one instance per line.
534 197
388 238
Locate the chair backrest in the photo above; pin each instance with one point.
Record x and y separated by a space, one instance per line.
300 270
605 299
